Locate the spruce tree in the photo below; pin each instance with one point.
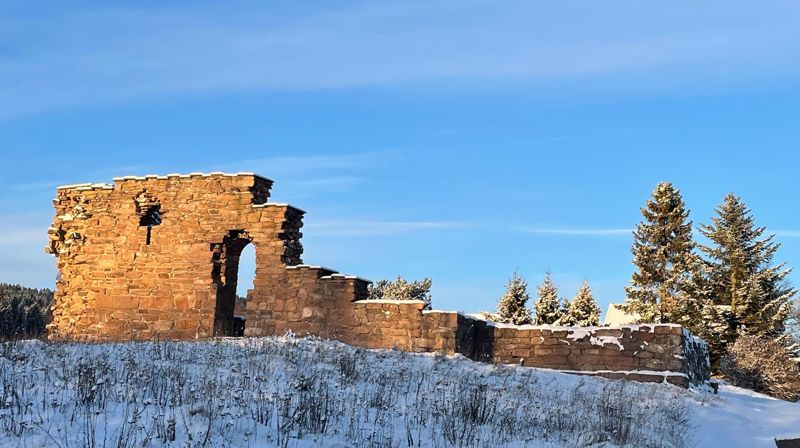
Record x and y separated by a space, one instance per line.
695 299
663 255
747 289
548 307
582 310
512 307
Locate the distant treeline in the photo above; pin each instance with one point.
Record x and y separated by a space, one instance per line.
24 312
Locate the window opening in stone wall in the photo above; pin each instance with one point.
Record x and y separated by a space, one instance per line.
150 219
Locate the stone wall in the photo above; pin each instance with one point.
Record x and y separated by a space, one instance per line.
661 352
157 257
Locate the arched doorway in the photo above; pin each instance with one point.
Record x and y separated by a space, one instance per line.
225 276
246 277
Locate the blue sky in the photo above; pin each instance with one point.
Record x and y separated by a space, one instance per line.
456 140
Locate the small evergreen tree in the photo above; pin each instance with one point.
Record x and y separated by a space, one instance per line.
512 307
402 289
745 285
548 307
582 310
663 255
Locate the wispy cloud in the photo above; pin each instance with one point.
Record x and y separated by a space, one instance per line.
302 176
156 49
339 228
366 227
99 175
31 186
574 231
306 174
297 166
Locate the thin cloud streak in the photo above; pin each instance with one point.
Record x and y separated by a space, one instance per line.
348 227
301 165
571 231
303 176
100 175
338 228
34 186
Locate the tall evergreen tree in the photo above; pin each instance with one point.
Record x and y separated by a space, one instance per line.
582 310
694 299
750 292
664 257
548 307
512 307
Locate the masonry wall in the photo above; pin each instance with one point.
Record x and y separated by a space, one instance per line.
157 257
659 353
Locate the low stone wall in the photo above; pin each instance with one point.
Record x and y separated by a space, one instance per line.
641 352
659 353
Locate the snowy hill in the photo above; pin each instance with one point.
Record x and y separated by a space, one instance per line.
306 392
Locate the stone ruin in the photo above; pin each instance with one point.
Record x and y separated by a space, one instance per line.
156 257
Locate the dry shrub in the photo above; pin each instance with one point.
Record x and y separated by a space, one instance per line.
763 365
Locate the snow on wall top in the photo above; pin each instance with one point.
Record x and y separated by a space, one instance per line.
583 330
310 266
87 186
347 277
158 177
393 301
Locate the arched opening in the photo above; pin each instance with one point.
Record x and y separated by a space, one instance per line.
225 275
247 274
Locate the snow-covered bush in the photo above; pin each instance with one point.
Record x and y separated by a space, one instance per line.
763 365
402 289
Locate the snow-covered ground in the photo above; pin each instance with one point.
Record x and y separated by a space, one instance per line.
743 418
305 392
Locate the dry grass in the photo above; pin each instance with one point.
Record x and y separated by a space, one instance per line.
305 392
